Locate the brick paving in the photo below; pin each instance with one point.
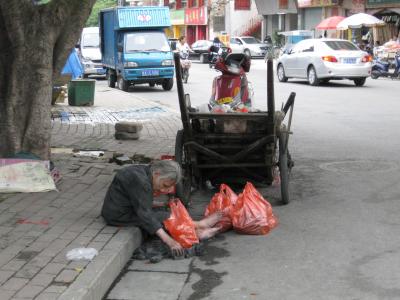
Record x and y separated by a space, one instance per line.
33 263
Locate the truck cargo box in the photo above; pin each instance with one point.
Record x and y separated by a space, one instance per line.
139 17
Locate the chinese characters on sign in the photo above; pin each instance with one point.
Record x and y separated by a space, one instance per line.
317 3
196 16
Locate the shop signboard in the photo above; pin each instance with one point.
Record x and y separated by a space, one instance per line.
382 3
177 17
196 16
317 3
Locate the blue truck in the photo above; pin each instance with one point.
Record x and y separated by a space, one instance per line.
134 47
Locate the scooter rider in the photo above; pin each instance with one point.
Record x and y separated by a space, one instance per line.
184 51
215 49
182 45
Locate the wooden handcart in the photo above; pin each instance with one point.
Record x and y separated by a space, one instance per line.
233 148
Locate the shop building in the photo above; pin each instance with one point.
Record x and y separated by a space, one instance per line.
189 18
388 11
277 15
242 18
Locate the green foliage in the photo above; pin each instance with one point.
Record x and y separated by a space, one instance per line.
278 39
94 16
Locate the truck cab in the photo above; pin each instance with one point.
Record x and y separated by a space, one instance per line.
134 47
89 52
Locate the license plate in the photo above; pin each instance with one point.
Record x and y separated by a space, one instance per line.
351 60
150 73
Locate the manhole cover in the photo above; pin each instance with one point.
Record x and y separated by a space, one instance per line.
359 166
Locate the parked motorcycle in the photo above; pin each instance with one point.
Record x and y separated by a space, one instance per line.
380 68
231 89
185 64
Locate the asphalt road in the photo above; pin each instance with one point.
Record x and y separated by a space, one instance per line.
339 238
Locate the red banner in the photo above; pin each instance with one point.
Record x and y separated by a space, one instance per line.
196 16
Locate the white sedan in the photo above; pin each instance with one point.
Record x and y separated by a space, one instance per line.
319 60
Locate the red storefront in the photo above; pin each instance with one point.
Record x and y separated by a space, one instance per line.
196 21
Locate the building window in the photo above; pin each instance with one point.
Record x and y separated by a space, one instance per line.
242 4
192 3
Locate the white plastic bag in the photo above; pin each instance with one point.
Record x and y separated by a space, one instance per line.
81 254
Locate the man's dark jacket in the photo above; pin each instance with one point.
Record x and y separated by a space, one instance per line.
129 199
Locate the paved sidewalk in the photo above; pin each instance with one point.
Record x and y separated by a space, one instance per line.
38 229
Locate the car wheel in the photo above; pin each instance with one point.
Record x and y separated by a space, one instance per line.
312 76
360 81
202 59
281 73
247 52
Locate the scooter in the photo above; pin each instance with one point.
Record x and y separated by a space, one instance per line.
380 68
231 91
185 64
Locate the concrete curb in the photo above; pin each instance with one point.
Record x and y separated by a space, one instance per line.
98 276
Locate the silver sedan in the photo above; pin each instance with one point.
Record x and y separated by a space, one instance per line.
319 60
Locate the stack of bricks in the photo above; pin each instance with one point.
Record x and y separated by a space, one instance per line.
128 130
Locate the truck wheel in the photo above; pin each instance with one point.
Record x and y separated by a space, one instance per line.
168 84
111 79
123 84
152 84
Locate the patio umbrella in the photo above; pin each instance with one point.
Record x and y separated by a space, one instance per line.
358 21
330 23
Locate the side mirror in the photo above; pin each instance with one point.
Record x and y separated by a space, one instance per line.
120 48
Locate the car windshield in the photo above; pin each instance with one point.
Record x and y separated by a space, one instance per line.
250 40
146 41
341 45
90 40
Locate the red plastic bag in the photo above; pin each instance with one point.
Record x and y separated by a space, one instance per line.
222 201
252 214
180 225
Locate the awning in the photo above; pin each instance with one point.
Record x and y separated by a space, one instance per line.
383 11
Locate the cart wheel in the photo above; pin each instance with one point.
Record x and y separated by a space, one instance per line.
183 188
284 166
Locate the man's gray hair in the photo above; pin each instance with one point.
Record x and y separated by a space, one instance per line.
168 169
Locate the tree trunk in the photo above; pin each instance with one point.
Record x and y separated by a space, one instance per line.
35 41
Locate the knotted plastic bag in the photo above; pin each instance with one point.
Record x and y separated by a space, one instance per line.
180 225
252 214
222 201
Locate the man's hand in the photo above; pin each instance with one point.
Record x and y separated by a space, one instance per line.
175 247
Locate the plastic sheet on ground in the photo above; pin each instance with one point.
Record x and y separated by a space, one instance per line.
81 254
25 176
